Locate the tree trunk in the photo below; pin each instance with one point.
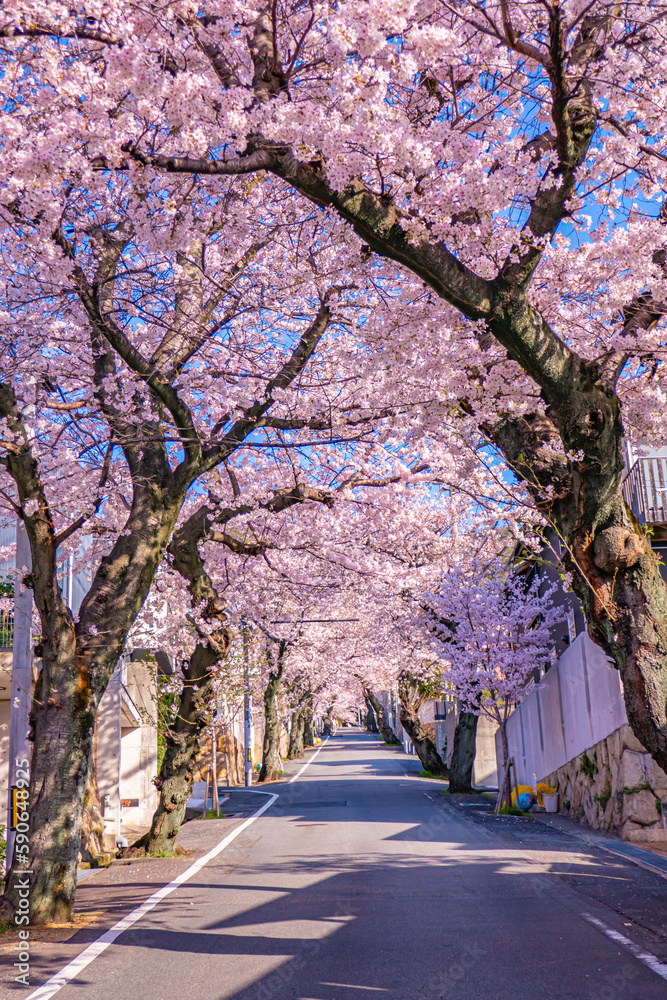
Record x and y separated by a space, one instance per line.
371 723
92 827
215 801
308 734
78 659
388 734
410 701
423 744
463 754
271 750
296 735
63 716
505 783
182 741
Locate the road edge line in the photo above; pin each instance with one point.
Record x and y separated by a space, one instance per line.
89 954
298 773
653 963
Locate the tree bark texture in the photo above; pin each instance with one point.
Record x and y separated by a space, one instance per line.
75 671
184 734
504 789
410 701
371 722
308 734
387 733
182 742
92 825
296 735
271 750
463 754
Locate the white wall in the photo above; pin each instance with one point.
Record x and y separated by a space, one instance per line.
4 760
138 750
579 702
485 768
107 736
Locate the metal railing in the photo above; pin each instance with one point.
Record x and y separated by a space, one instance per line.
645 490
6 629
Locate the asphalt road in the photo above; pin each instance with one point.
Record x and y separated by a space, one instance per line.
359 883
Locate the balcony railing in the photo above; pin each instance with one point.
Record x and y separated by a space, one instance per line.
645 490
6 629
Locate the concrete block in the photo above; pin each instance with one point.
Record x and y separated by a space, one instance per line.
629 829
656 835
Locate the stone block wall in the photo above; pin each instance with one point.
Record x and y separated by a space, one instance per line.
615 785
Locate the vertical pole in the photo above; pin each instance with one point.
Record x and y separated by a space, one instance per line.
215 802
247 710
21 686
205 809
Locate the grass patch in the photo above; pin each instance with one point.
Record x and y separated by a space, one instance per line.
57 933
588 766
429 774
512 811
211 814
603 797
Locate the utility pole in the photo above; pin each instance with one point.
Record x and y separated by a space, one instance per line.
247 709
215 802
21 686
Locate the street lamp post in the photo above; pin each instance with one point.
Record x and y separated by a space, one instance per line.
247 709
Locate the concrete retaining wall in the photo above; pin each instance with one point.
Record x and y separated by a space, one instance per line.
572 732
579 703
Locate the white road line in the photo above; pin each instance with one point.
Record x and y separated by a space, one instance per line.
298 773
78 964
644 956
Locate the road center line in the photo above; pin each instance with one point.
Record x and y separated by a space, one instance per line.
644 956
298 773
89 954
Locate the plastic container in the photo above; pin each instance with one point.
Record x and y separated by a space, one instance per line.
550 800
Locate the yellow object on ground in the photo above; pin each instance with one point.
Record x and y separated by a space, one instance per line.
542 788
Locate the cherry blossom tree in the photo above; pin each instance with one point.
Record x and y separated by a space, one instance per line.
138 361
499 634
508 156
